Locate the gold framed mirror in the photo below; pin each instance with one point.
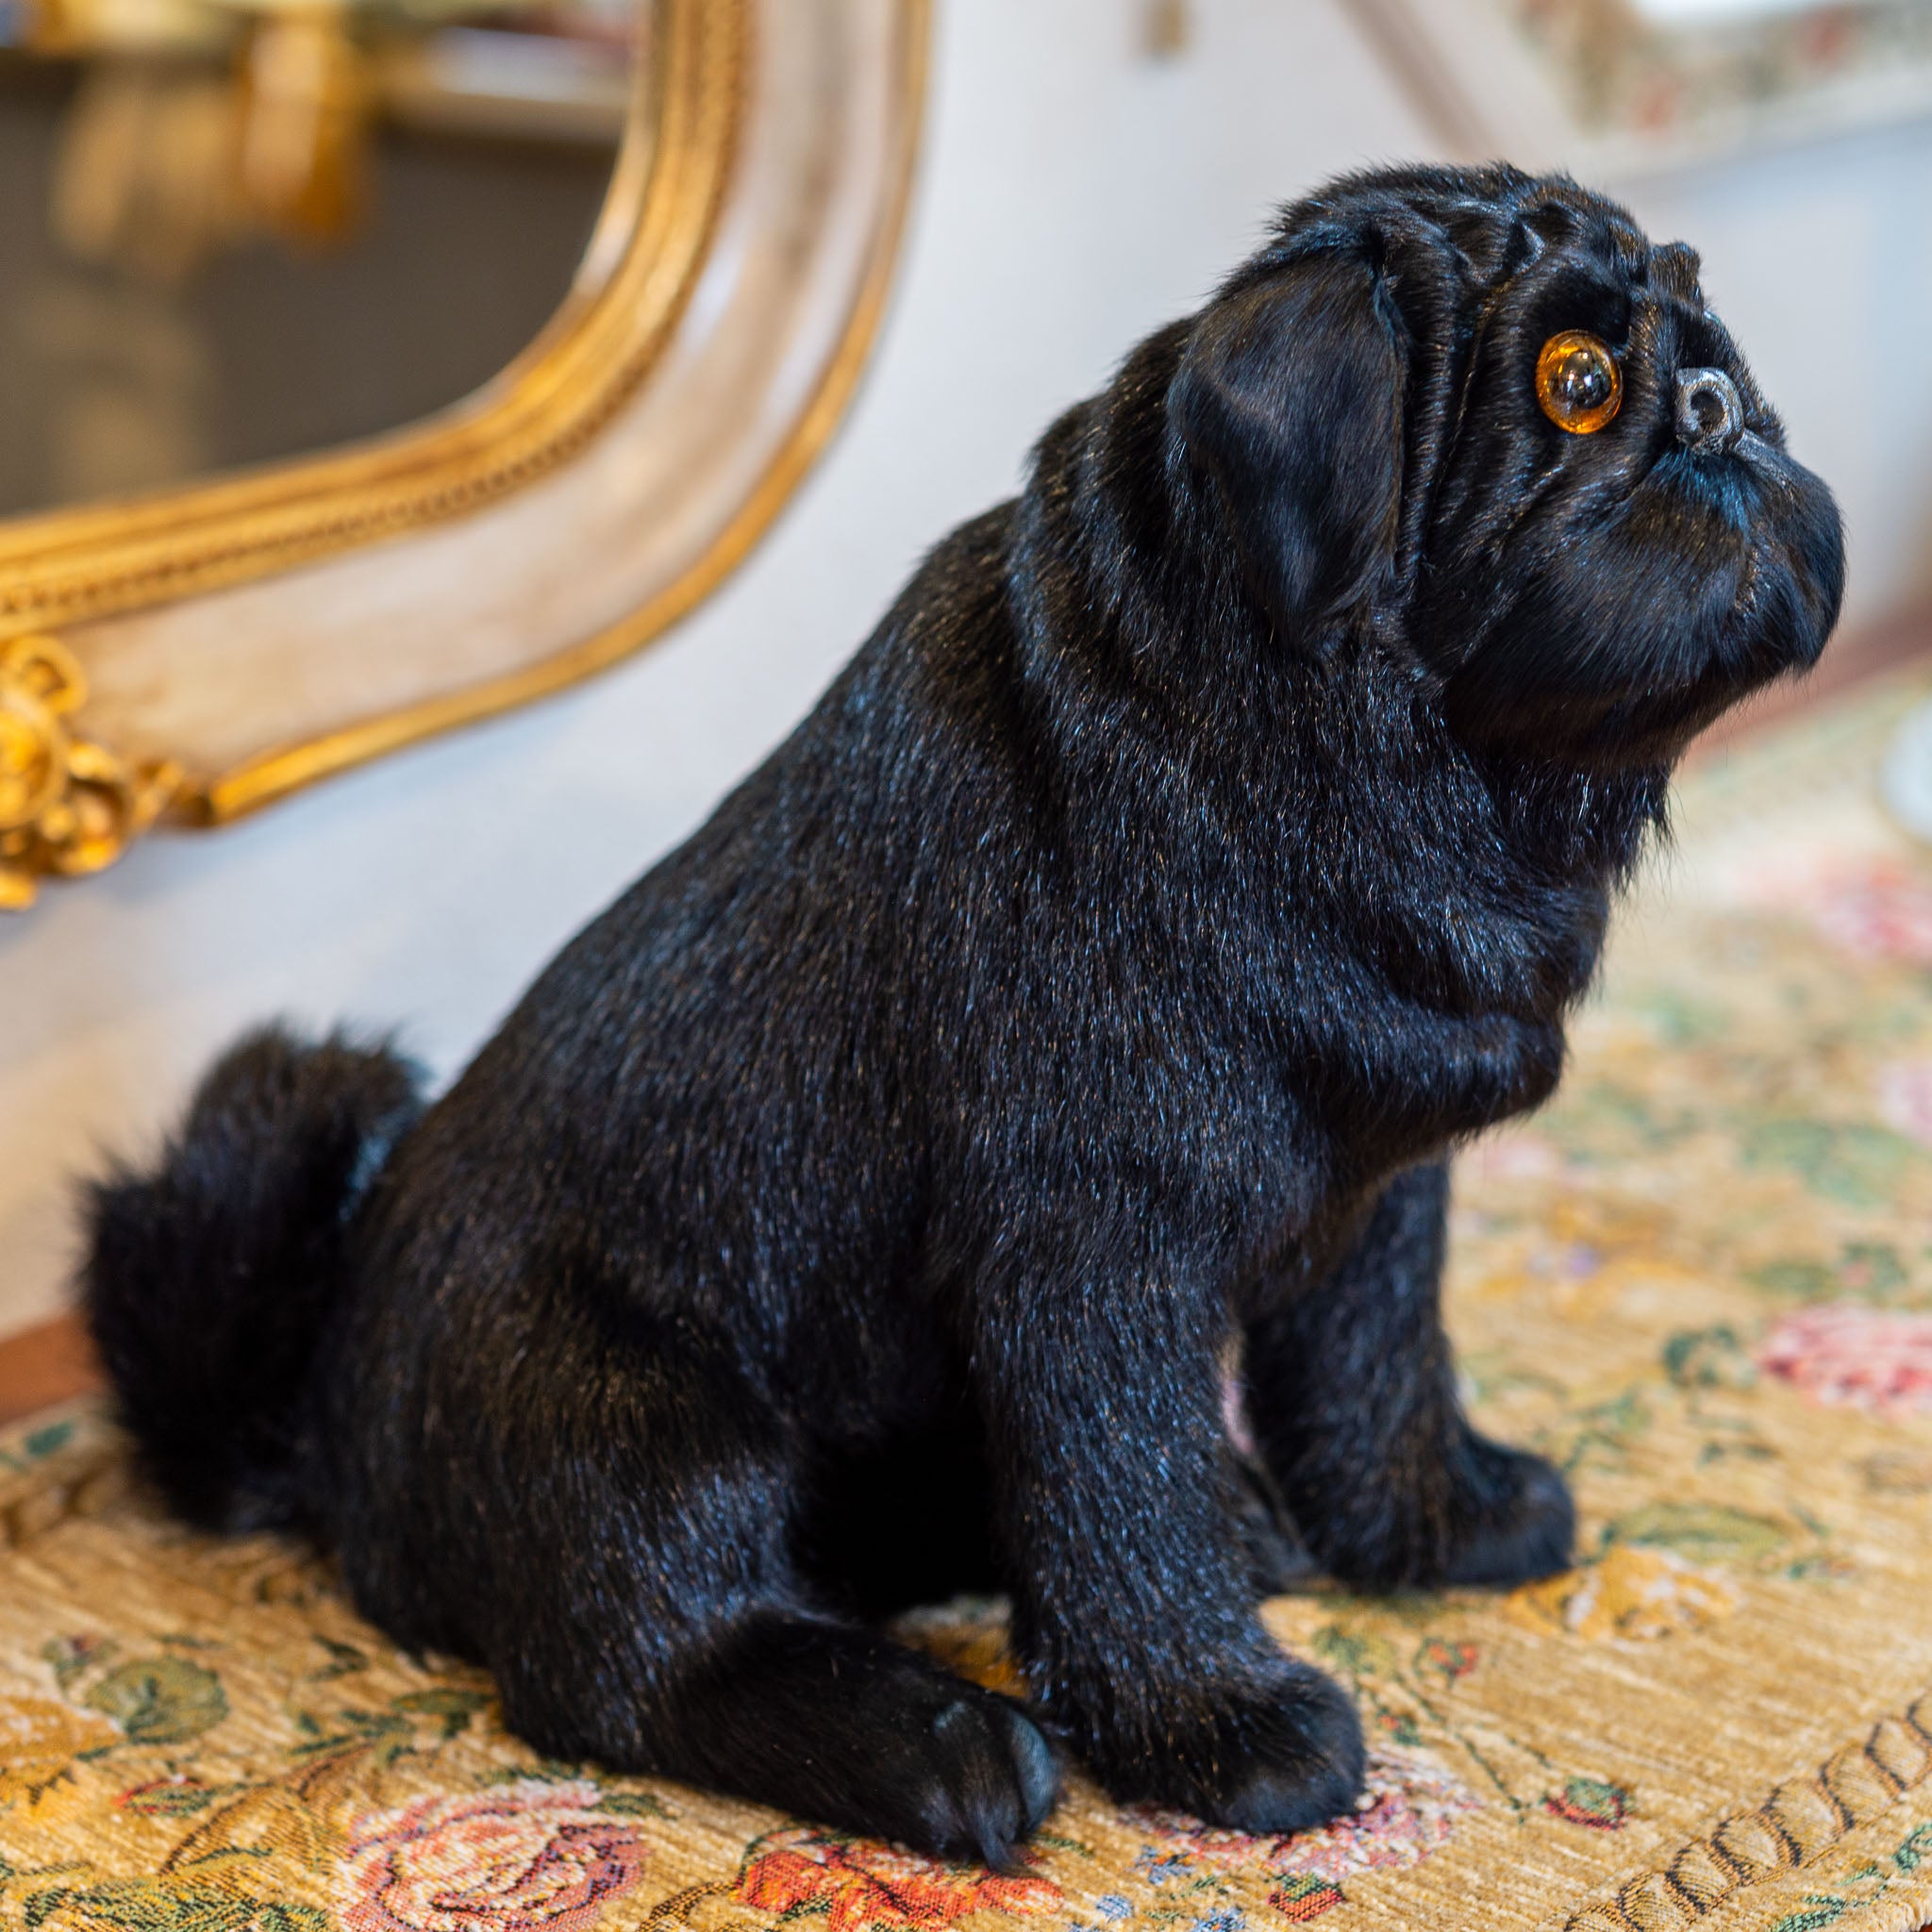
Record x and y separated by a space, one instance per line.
199 651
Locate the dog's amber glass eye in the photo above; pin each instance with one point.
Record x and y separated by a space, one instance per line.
1578 382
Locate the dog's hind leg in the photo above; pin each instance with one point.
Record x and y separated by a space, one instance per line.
1351 1393
621 1514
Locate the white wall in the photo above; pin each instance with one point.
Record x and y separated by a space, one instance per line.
1074 194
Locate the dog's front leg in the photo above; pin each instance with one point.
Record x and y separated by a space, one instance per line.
1135 1615
1351 1396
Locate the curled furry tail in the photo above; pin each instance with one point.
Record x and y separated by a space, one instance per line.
208 1280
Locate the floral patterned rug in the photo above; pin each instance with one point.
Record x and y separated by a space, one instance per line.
1702 1280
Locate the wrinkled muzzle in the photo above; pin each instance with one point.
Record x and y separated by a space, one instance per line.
1616 632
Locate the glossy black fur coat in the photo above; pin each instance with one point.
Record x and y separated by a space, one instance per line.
1089 994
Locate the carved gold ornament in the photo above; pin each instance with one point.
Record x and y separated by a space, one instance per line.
66 806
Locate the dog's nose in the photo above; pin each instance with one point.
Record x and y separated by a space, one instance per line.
1710 413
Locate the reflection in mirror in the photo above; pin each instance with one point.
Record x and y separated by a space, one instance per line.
234 230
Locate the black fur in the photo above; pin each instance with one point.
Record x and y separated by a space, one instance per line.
209 1284
1092 987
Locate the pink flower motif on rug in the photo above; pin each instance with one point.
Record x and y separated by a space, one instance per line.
1904 1098
1881 912
860 1883
511 1859
1850 1355
1411 1813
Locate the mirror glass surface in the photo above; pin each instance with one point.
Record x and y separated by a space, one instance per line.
234 232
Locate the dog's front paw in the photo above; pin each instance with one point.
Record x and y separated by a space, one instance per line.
842 1726
979 1779
1272 1759
1514 1519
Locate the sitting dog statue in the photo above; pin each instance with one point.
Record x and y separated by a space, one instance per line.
1090 993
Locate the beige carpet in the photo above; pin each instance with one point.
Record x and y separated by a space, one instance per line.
1703 1281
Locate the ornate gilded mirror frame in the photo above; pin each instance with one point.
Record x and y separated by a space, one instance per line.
201 652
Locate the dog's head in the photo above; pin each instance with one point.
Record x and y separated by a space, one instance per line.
1483 413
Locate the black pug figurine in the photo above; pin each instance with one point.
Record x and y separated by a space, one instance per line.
1089 994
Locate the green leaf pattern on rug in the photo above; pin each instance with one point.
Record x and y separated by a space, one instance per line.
1700 1532
150 1904
1853 1162
160 1700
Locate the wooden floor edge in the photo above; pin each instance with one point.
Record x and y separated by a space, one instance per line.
42 1365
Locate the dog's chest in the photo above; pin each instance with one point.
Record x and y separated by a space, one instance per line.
1271 1017
1291 1070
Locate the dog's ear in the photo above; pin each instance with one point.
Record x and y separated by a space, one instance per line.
1288 399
